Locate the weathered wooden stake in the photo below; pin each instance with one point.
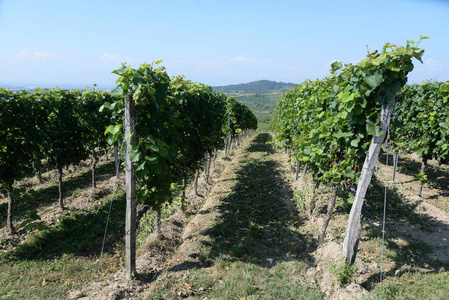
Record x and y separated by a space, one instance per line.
330 210
195 182
94 162
130 221
209 164
158 222
298 165
228 138
206 171
354 227
422 171
61 195
303 177
117 162
9 223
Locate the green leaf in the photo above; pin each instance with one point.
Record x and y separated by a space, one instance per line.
346 97
117 92
134 156
336 66
105 105
370 128
355 142
163 152
342 134
113 129
120 71
375 79
349 173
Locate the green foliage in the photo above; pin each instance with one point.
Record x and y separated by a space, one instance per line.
422 120
21 136
329 123
422 177
64 131
201 114
155 147
241 116
32 221
177 122
344 273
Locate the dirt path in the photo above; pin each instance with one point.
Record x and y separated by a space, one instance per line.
247 218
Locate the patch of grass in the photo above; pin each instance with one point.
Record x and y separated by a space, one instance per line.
46 279
263 127
81 233
236 280
54 261
308 201
409 286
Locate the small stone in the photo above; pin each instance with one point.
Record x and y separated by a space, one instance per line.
76 295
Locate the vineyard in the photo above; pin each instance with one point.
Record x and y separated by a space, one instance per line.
162 189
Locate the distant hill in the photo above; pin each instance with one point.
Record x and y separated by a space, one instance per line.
255 86
260 96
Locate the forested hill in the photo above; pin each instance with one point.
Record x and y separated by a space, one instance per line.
255 86
260 96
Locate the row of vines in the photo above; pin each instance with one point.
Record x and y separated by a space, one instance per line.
177 123
331 125
422 118
48 128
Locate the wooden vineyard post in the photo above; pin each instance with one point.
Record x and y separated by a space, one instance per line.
117 162
354 227
9 223
298 165
130 221
228 137
61 195
206 171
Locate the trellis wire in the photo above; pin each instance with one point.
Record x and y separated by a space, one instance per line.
388 143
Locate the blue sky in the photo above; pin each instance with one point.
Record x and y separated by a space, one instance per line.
213 42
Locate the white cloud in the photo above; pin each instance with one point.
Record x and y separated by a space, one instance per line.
23 53
41 55
244 59
207 63
45 55
109 58
432 65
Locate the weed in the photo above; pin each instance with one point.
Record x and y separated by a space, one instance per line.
344 272
307 200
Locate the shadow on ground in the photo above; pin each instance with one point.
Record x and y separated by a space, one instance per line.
437 178
401 219
255 224
81 234
33 199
